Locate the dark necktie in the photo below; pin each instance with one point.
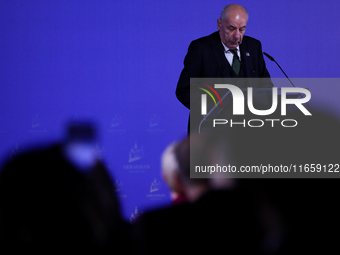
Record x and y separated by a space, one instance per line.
236 62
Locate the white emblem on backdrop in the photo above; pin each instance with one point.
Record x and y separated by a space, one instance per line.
136 153
135 215
155 188
36 125
154 124
115 125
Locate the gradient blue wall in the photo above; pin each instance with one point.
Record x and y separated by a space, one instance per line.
117 63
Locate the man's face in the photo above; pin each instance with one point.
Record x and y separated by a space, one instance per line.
232 28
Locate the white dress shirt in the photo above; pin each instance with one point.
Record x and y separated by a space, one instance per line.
229 55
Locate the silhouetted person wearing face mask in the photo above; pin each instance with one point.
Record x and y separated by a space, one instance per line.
60 198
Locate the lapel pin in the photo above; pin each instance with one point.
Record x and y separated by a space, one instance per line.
247 54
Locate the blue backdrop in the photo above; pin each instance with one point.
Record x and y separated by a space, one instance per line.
117 63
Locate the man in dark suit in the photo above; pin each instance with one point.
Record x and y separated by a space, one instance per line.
226 53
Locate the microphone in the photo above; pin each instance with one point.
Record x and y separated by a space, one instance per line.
268 56
272 59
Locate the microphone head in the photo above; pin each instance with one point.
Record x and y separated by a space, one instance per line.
268 56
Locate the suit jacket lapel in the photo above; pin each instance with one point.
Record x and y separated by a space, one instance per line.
246 59
218 50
